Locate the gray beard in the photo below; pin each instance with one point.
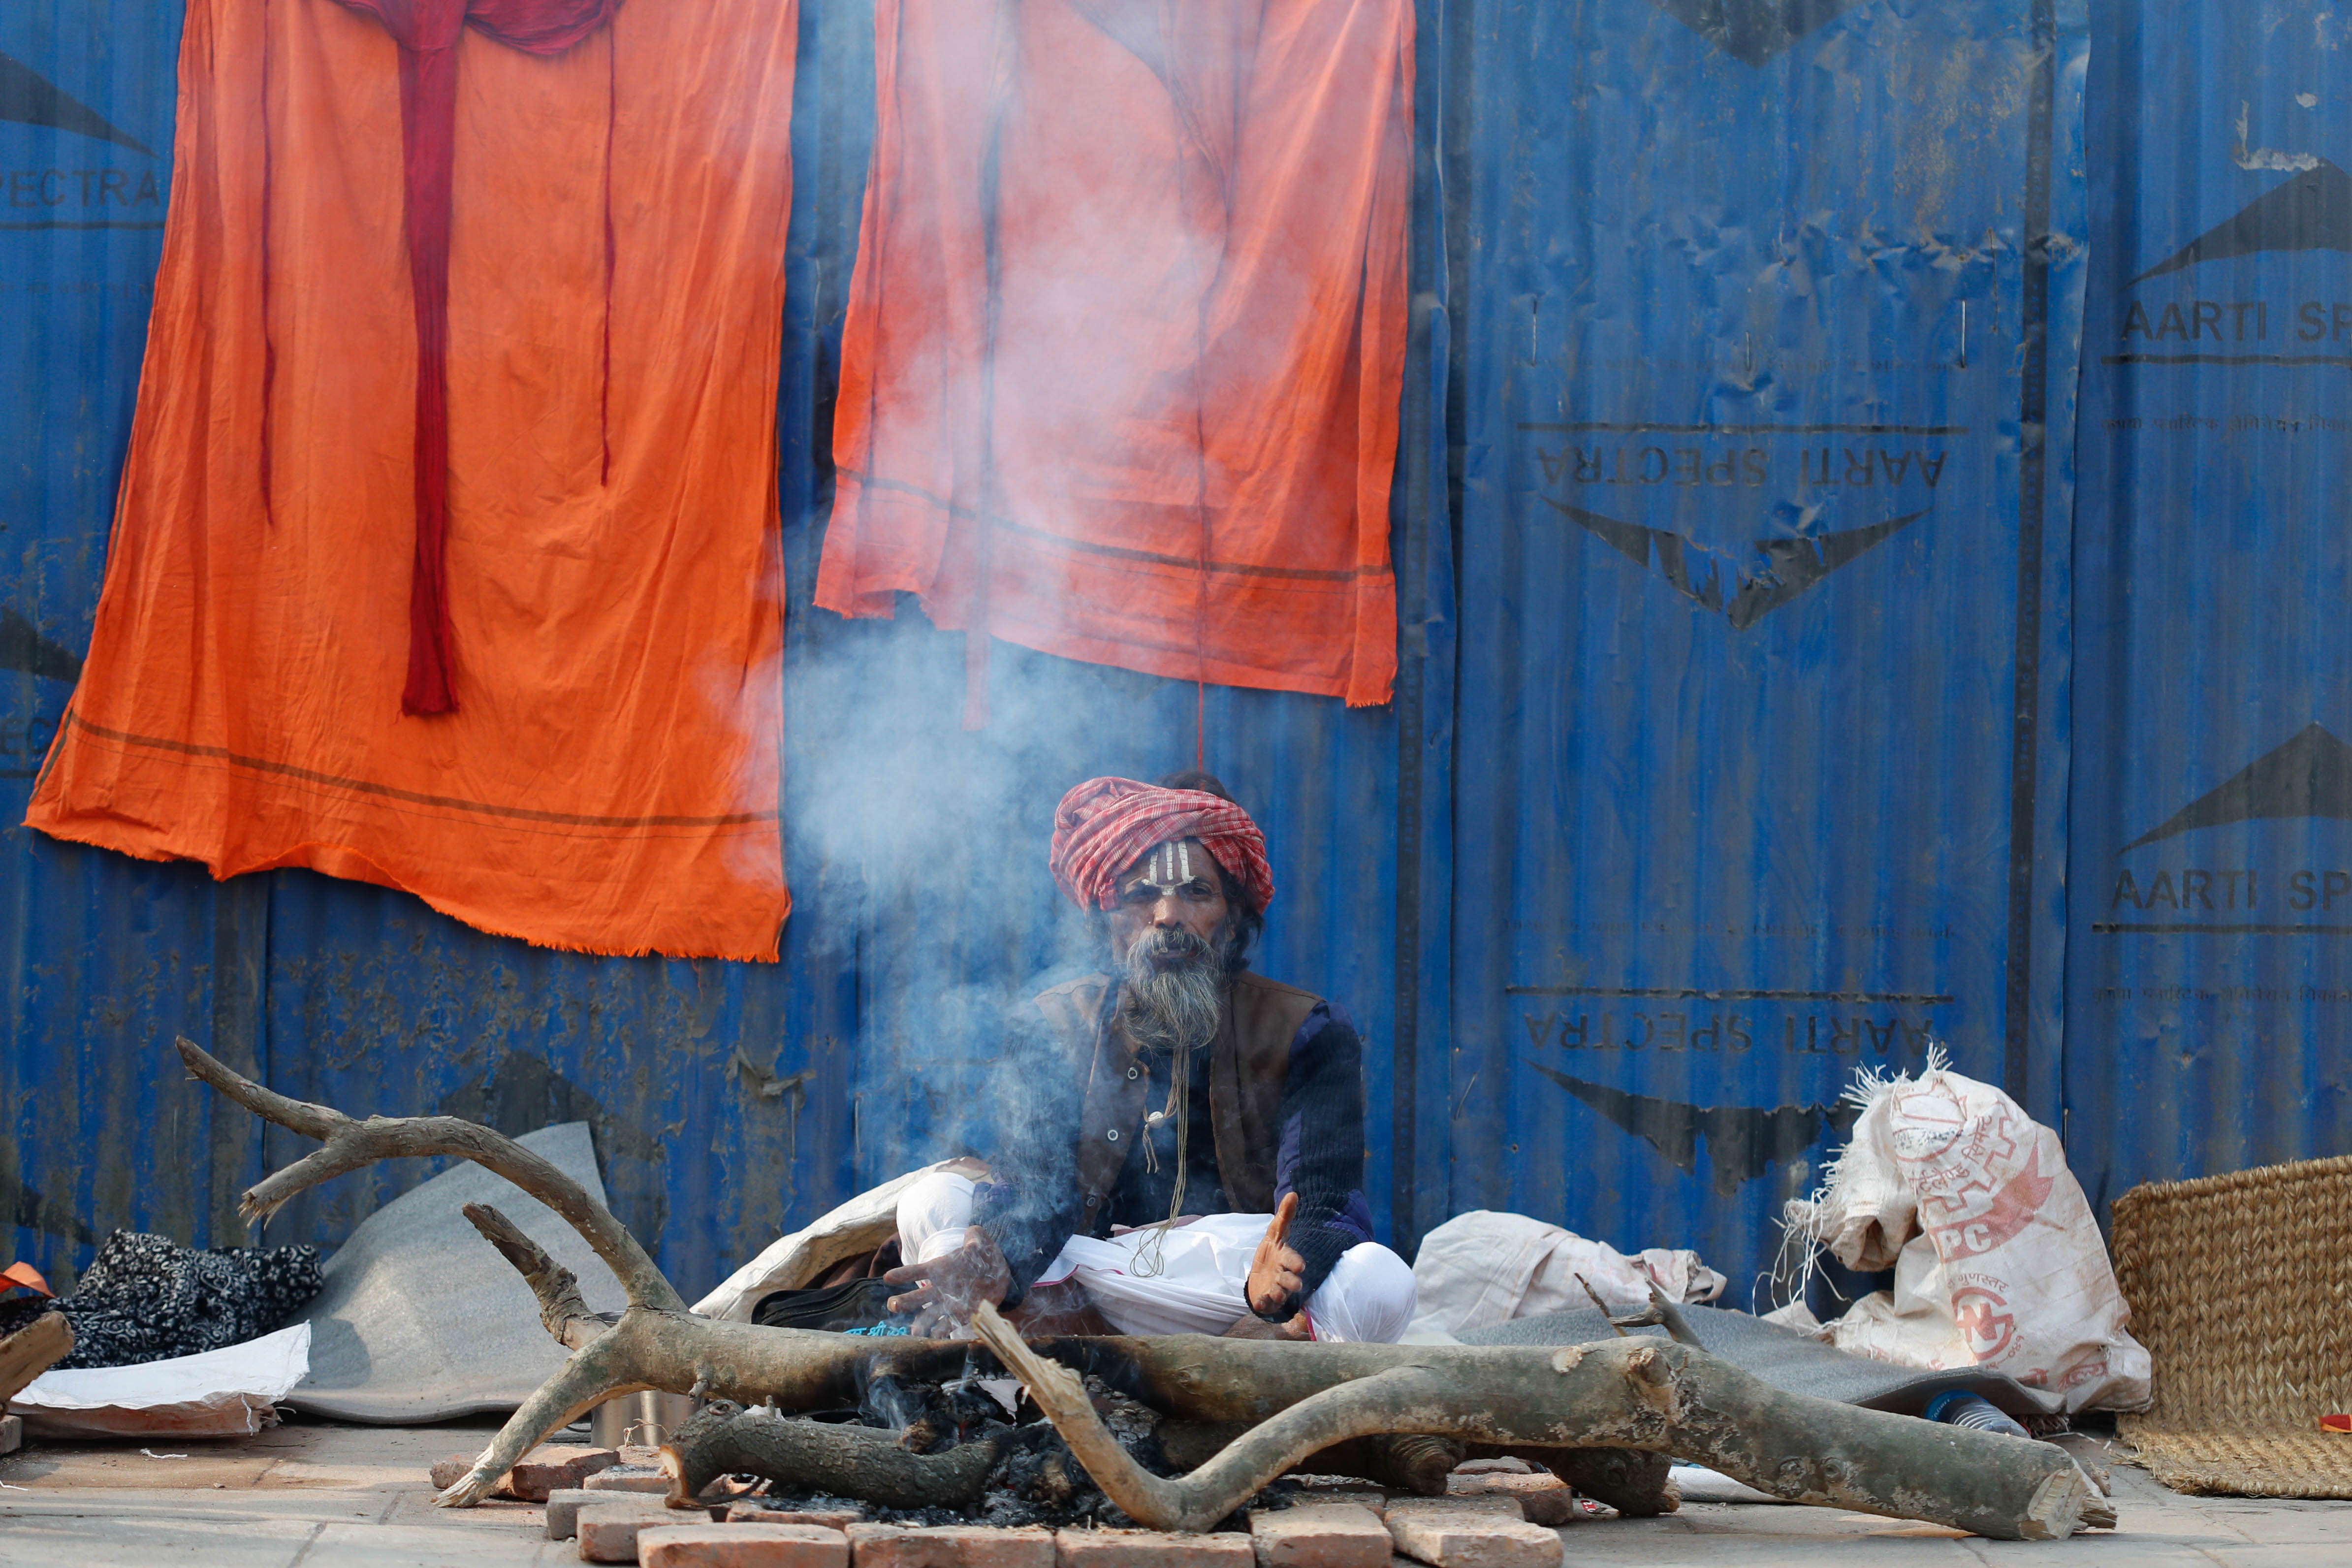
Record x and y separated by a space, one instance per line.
1171 1009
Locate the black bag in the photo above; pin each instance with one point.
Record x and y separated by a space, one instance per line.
859 1304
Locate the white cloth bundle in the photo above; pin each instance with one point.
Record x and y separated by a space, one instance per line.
1488 1267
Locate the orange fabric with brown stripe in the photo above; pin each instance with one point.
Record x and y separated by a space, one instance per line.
1195 349
611 782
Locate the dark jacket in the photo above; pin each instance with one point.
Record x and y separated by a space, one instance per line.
1277 1105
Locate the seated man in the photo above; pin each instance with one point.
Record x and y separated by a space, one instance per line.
1184 1140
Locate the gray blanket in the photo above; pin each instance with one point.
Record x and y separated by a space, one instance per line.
1786 1360
420 1320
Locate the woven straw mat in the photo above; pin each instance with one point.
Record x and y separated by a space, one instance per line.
2241 1288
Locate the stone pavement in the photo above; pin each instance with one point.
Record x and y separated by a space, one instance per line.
316 1494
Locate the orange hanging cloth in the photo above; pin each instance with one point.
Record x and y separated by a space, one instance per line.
1126 340
611 781
427 32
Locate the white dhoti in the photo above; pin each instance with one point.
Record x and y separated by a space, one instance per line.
1190 1279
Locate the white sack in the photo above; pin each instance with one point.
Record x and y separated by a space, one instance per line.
228 1393
1487 1266
790 1262
1997 1262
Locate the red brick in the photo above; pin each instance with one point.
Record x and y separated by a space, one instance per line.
1543 1498
544 1469
447 1472
1465 1537
555 1466
1507 1465
743 1546
1150 1549
750 1512
608 1530
563 1508
951 1546
1360 1495
1340 1535
627 1479
1498 1503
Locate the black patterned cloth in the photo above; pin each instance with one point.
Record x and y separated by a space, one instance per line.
146 1299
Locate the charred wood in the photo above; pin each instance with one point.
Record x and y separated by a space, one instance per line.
724 1438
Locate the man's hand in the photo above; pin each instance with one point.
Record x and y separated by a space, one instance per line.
1276 1272
948 1289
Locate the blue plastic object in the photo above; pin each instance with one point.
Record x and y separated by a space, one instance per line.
1959 1407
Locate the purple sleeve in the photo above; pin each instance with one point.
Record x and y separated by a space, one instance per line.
1321 1155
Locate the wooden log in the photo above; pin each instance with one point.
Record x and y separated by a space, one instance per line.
1412 1462
350 1144
724 1438
1631 1480
562 1310
32 1351
1295 1399
1626 1394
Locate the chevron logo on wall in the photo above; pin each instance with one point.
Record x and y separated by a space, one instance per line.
1743 1142
1743 595
29 98
2313 211
2310 777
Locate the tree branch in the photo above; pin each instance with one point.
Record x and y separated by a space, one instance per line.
351 1144
1196 1502
1624 1393
562 1310
724 1438
1632 1396
604 1369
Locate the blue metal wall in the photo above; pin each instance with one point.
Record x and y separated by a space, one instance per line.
1740 569
2210 976
1766 406
916 850
102 958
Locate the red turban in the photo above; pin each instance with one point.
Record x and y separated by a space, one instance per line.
1105 826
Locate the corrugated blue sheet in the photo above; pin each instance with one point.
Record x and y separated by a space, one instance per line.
102 958
1732 773
916 850
2209 974
1764 385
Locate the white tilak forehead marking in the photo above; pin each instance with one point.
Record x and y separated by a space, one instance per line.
1169 868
